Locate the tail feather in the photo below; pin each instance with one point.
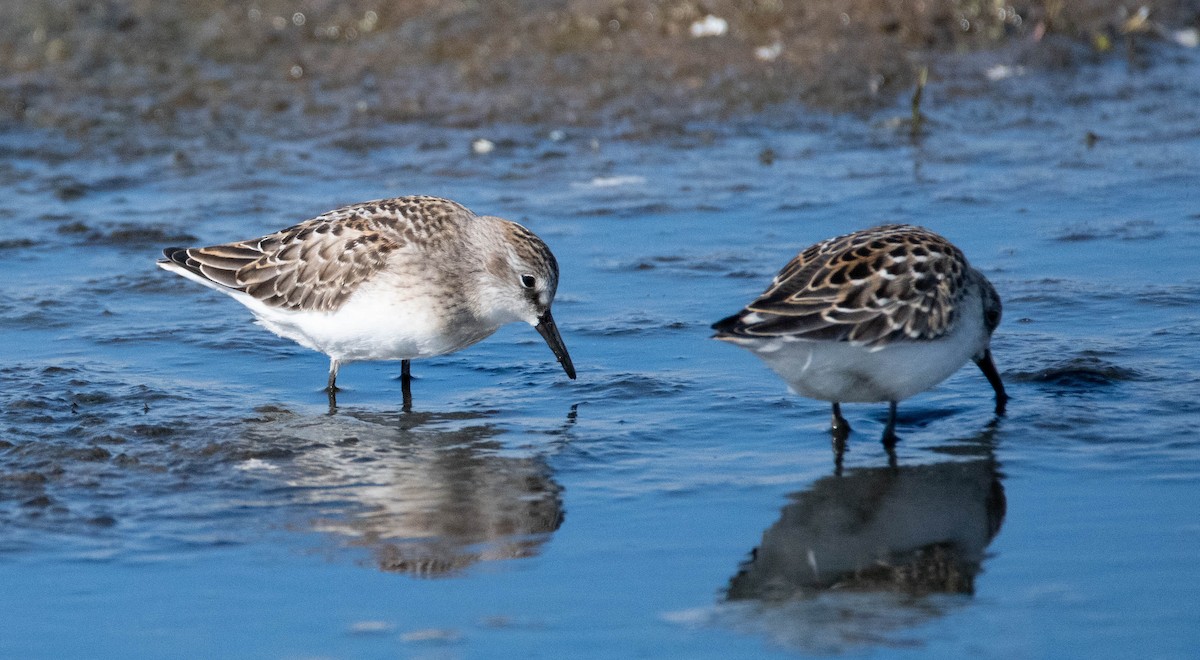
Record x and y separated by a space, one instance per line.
179 261
176 255
728 325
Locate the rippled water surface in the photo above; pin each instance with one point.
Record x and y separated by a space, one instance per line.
173 482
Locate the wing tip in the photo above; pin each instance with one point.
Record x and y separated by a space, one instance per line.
177 260
176 255
728 326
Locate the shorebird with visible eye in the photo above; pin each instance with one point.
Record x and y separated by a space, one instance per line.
876 315
394 279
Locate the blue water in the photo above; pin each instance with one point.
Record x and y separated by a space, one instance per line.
173 483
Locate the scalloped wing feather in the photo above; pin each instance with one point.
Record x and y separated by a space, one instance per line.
890 283
317 264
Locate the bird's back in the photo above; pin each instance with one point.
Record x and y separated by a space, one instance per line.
316 265
885 284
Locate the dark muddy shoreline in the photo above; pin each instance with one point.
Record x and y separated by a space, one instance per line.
112 71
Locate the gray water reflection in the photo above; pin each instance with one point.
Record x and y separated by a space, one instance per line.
426 494
859 559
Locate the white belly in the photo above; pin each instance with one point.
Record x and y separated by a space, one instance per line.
379 322
843 372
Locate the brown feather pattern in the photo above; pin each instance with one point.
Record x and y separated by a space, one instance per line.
879 285
317 264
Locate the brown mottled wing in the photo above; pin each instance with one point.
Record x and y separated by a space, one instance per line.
317 264
889 283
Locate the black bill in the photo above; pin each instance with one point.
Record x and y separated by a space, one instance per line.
989 370
545 327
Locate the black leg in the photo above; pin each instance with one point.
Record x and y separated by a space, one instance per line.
891 454
333 371
840 428
988 368
405 386
839 453
889 432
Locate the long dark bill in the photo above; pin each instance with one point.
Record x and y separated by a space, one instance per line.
989 369
546 328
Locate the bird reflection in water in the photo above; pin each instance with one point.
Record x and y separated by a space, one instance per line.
856 559
426 494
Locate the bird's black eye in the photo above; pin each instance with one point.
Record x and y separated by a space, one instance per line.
528 281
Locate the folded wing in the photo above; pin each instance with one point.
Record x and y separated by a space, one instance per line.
880 285
312 266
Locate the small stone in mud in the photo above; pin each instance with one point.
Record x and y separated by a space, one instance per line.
74 228
371 628
180 158
709 26
482 146
39 502
92 398
129 234
26 478
444 635
153 430
93 454
70 190
1083 372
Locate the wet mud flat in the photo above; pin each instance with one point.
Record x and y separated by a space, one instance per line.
119 70
174 483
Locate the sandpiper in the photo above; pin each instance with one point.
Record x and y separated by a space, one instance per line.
392 279
877 315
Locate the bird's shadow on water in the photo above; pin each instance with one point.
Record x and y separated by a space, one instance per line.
427 494
861 559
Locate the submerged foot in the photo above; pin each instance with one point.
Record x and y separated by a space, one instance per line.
889 432
839 427
839 453
890 439
405 386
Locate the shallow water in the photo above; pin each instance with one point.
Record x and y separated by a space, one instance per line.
173 482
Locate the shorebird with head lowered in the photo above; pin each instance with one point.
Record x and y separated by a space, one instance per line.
393 279
877 315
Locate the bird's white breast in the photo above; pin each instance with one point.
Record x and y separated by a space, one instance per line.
387 318
845 372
